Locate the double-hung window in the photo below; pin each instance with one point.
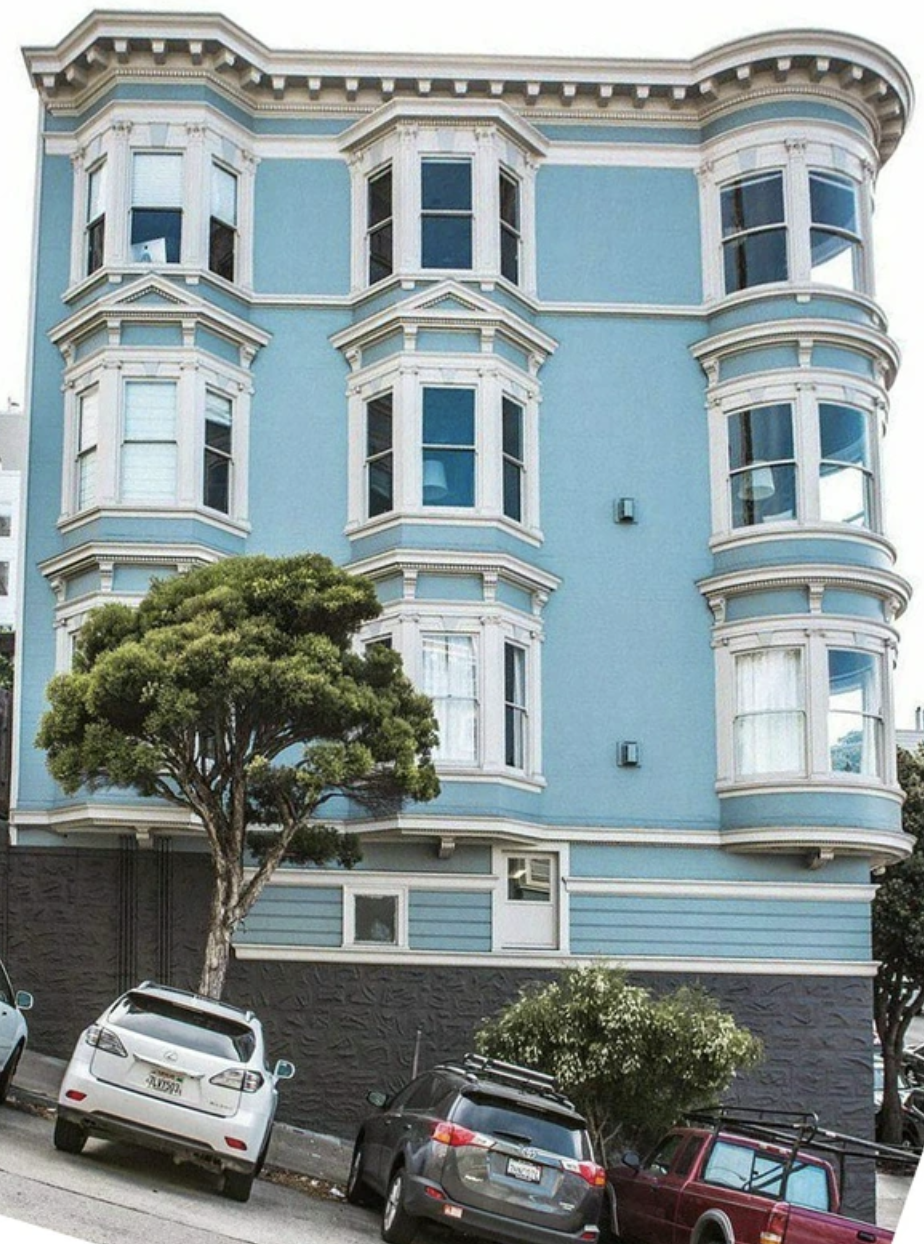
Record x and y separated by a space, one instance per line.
217 459
754 232
450 678
762 469
380 225
514 464
448 447
846 481
770 712
510 235
157 207
96 218
446 222
380 455
855 714
149 449
515 706
223 222
835 231
87 441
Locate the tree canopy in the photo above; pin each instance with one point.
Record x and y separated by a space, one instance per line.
234 692
898 943
633 1064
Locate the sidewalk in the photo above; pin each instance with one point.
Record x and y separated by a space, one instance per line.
326 1157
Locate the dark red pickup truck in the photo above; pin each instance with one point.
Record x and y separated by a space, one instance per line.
710 1185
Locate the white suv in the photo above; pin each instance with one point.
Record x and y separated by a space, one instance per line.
174 1071
13 1030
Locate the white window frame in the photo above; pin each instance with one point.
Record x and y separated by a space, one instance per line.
795 151
496 141
203 138
805 398
813 635
492 378
193 373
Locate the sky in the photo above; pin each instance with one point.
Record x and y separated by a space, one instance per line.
669 29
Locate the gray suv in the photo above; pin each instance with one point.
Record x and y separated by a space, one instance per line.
485 1147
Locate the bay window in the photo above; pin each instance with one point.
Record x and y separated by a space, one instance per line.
157 207
450 678
846 472
149 443
855 715
770 712
223 222
835 230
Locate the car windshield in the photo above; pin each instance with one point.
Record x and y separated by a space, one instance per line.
183 1026
498 1117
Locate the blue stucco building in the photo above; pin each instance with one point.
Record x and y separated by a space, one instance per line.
581 362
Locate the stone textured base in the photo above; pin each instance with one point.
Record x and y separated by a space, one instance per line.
77 926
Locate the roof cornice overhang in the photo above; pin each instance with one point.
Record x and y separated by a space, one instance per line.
107 46
174 305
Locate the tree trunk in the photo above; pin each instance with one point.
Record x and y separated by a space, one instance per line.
222 920
890 1112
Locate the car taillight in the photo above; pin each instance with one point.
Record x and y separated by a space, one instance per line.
103 1039
456 1137
75 1095
595 1175
775 1227
233 1143
237 1078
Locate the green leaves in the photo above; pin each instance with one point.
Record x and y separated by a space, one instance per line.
632 1063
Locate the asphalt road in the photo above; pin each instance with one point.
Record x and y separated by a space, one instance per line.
119 1194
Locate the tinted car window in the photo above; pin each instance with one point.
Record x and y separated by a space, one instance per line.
178 1025
552 1132
738 1166
660 1161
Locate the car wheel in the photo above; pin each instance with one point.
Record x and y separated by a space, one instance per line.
357 1191
69 1137
6 1075
398 1226
237 1185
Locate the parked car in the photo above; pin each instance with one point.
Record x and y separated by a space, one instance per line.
177 1072
485 1147
732 1178
14 1031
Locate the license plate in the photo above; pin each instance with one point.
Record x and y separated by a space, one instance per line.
452 1211
527 1171
164 1082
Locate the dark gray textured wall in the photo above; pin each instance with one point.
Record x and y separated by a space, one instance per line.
81 925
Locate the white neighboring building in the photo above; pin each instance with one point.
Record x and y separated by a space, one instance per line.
12 454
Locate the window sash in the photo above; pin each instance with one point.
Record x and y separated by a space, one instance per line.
450 678
513 463
380 230
515 706
157 179
224 195
376 919
770 719
149 450
446 214
380 459
855 713
217 455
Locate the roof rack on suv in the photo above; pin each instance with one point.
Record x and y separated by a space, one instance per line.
478 1067
218 1003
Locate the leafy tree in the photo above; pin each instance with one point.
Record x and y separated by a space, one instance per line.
632 1063
234 693
898 944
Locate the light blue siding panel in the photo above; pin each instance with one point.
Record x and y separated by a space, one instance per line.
508 594
432 342
449 920
690 864
449 587
750 361
766 604
138 578
169 335
853 604
835 808
843 360
808 549
785 109
91 343
82 584
393 343
511 353
286 916
218 346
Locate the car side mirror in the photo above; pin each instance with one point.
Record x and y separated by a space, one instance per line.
631 1159
283 1070
377 1098
24 1000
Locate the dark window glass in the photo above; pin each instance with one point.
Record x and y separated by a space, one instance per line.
6 524
510 227
381 231
754 233
752 204
376 918
515 706
4 578
659 1163
221 248
379 456
223 222
449 447
179 1025
156 234
96 217
846 488
216 484
96 241
763 470
835 241
446 222
551 1132
513 459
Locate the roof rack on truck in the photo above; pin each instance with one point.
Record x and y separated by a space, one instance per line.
478 1067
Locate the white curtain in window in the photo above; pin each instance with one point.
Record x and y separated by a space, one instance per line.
149 443
770 719
96 192
224 195
450 679
157 180
86 449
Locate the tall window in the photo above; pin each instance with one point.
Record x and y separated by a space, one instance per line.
510 227
846 482
450 678
835 231
446 213
514 465
754 232
96 217
380 455
449 447
762 465
770 712
216 482
855 717
149 443
223 222
87 440
514 706
157 215
380 226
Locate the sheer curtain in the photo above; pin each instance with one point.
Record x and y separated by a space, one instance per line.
450 679
770 718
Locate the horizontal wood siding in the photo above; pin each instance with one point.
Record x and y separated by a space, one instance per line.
449 920
288 916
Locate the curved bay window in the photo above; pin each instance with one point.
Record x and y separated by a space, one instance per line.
770 716
762 466
835 231
855 716
754 232
846 488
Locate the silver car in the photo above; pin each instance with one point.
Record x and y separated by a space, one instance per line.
13 1030
177 1072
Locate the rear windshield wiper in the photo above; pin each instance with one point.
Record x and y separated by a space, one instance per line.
515 1137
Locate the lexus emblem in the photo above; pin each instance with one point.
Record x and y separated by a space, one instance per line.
170 1056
